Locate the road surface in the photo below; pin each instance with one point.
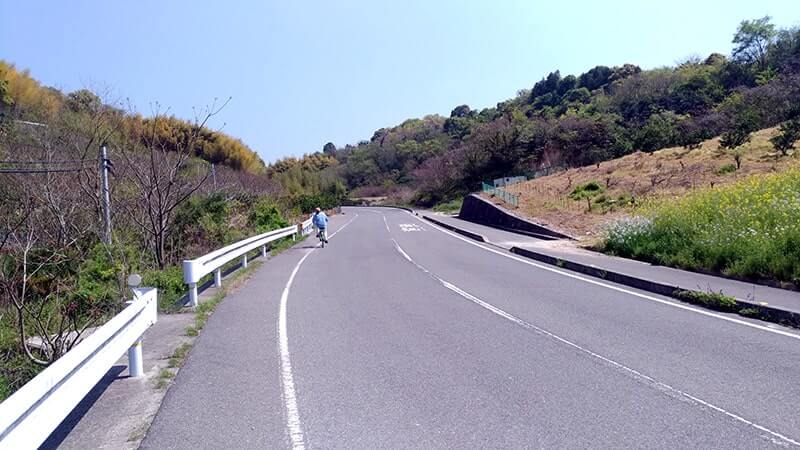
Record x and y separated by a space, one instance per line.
402 335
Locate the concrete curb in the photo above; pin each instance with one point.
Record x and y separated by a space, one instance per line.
466 233
743 307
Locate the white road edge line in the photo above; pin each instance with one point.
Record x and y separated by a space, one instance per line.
293 423
635 373
386 223
616 288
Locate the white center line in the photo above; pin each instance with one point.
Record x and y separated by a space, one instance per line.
633 372
293 423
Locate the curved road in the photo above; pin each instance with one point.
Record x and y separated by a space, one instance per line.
402 335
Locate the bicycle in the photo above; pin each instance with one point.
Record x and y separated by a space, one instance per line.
321 237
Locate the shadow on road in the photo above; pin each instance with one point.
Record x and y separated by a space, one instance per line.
68 424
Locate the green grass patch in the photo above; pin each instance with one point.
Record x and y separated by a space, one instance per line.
590 189
712 300
164 378
726 169
453 206
749 312
179 355
750 229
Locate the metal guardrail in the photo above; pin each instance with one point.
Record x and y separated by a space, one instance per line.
195 269
33 412
508 197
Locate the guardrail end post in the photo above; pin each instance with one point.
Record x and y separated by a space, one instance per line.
244 261
193 294
264 251
218 277
135 363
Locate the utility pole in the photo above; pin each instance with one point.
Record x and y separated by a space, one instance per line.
106 196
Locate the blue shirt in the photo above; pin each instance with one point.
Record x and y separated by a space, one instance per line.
320 220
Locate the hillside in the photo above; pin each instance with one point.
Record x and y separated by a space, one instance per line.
637 180
582 119
23 99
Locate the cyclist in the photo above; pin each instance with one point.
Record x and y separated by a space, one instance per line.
321 222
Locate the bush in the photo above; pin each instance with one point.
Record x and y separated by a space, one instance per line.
169 282
265 216
591 188
726 169
750 229
449 207
586 192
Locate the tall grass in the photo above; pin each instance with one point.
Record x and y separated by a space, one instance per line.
750 229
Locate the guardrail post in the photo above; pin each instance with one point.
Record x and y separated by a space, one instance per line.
263 251
244 261
192 294
218 277
135 363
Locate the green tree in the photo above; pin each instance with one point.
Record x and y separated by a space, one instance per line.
732 140
753 39
329 148
789 134
658 132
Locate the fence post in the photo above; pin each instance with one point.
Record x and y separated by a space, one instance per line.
135 363
218 277
192 294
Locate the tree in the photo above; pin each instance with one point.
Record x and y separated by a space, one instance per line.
732 140
580 95
83 100
461 111
329 149
660 131
161 176
789 134
546 85
566 84
595 78
752 40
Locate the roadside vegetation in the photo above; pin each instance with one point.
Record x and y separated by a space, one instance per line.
177 190
629 183
451 207
749 229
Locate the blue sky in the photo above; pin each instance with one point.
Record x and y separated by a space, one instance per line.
304 73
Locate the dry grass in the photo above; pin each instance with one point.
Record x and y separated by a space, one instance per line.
645 177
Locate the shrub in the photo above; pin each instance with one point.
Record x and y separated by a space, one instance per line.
726 169
169 282
591 188
265 216
449 207
586 191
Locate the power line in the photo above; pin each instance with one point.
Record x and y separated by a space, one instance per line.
53 161
40 170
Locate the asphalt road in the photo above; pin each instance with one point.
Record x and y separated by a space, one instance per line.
401 335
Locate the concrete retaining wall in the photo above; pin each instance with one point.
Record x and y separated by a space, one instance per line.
476 209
